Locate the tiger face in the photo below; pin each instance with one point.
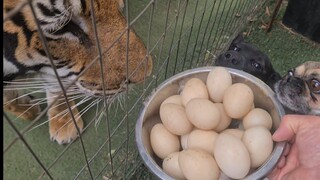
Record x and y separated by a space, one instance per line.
73 39
72 44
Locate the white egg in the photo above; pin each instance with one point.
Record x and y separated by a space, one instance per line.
258 141
174 99
198 164
218 80
238 100
232 156
236 132
203 113
170 166
257 117
225 120
203 140
163 142
194 88
175 119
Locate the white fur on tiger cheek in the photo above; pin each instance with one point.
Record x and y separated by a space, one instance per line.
52 84
9 67
76 6
59 5
81 22
61 71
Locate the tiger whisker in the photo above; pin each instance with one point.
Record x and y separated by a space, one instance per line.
120 100
117 107
75 96
62 19
98 120
25 79
21 88
33 82
134 91
45 122
63 113
24 95
66 110
76 117
25 111
62 103
40 100
97 109
29 82
31 78
96 101
118 104
44 99
85 99
80 114
28 87
14 86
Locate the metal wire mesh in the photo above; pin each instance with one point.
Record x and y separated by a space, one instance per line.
178 35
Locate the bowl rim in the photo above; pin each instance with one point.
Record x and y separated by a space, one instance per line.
259 173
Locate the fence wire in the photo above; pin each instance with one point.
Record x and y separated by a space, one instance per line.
178 35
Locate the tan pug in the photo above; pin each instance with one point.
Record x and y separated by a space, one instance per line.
299 89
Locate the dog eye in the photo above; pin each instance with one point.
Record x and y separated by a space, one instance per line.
256 65
236 48
315 86
290 72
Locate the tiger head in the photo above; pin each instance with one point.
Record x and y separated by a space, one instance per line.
72 41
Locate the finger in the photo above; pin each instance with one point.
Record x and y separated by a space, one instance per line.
274 174
288 128
282 162
291 162
287 149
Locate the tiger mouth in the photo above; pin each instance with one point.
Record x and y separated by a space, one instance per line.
100 92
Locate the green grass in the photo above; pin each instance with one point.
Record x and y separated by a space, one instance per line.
186 44
285 48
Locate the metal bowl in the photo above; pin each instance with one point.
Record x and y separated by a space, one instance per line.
264 98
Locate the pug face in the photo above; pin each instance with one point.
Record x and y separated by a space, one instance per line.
299 89
246 57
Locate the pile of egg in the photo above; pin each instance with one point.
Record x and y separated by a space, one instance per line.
194 139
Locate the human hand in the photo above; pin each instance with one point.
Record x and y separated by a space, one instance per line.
301 158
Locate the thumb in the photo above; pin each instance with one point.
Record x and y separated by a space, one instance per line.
288 128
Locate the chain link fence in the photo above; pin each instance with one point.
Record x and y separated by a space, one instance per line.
177 34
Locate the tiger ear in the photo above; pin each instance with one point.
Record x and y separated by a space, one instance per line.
238 39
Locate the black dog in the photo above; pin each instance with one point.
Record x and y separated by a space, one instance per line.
246 57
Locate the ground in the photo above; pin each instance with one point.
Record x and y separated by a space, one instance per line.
285 48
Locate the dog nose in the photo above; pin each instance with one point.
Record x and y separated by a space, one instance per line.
234 61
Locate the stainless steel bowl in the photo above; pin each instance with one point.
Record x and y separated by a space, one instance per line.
264 98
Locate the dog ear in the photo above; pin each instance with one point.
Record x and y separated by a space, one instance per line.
272 79
238 39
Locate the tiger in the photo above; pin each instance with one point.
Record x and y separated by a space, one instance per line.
68 29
